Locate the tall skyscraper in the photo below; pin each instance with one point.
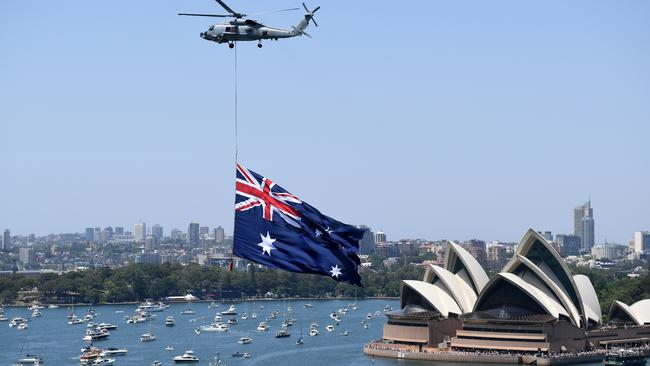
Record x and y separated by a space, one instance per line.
119 230
641 243
583 226
219 234
6 240
90 234
157 231
140 232
175 234
193 237
367 242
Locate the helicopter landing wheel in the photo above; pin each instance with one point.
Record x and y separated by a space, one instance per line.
231 45
259 45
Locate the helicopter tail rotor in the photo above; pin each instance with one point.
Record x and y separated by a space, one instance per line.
310 13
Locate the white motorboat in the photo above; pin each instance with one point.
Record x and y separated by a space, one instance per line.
345 333
101 361
214 327
187 357
217 318
170 321
156 363
369 316
91 324
22 326
245 340
188 312
95 335
75 321
114 352
254 315
308 306
333 316
388 308
313 332
263 327
231 311
107 326
149 306
30 360
244 317
213 305
232 321
169 348
16 321
36 313
52 306
314 325
147 337
329 328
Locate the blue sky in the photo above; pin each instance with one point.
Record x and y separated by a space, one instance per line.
426 119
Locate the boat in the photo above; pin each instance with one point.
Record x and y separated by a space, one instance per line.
282 333
308 306
377 313
329 328
156 363
245 340
365 326
345 333
75 321
244 317
387 308
313 332
91 325
169 348
314 325
36 313
231 311
89 354
333 316
95 335
170 321
187 357
246 355
3 317
149 306
254 315
101 361
29 360
213 305
147 337
624 357
52 306
238 354
16 321
188 312
107 326
214 327
112 351
22 326
232 321
262 327
369 316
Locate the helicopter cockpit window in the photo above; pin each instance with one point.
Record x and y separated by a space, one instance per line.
211 28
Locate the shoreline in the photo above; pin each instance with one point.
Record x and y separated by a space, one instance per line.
26 304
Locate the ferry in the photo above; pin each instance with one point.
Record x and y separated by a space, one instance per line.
187 357
624 357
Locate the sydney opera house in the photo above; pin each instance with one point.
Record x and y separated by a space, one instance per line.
533 305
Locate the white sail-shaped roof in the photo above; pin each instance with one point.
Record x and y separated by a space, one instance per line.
618 306
546 302
589 298
641 310
537 250
438 298
454 285
460 262
518 262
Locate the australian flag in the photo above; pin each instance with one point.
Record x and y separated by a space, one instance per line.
279 230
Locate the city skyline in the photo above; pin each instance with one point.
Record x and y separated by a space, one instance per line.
510 113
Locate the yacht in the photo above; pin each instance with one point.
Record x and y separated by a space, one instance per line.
114 352
387 308
188 312
147 337
245 340
300 341
91 324
95 335
101 361
313 332
232 321
17 321
52 306
231 311
75 321
170 321
329 328
282 333
262 327
214 327
30 360
107 326
149 306
187 357
89 354
36 313
377 313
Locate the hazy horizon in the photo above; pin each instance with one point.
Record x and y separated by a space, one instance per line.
504 115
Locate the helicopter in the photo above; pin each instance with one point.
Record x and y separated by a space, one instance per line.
242 29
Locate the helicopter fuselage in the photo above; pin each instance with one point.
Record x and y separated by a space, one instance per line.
244 30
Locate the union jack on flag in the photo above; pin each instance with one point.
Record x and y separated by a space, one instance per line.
279 230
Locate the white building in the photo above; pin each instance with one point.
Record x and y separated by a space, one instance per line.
140 231
641 243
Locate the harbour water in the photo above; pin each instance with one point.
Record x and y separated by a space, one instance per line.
59 343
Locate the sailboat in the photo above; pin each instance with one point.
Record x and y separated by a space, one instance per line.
149 336
299 341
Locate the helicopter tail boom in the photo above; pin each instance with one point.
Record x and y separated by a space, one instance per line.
299 29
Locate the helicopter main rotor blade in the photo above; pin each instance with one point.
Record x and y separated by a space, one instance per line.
315 10
205 15
274 11
305 6
312 19
228 9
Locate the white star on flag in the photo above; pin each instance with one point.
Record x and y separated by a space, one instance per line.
318 233
329 231
267 244
336 271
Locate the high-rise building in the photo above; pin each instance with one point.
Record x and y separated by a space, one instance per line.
175 234
477 249
27 256
219 234
583 226
90 234
380 237
568 244
546 235
641 243
367 242
193 237
140 232
119 230
204 231
151 243
6 240
607 251
157 231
